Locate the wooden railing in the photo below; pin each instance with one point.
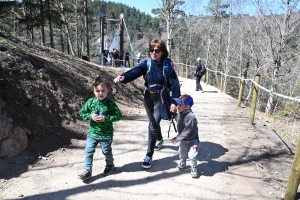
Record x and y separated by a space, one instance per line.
187 71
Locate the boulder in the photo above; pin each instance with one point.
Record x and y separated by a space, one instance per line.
14 144
5 126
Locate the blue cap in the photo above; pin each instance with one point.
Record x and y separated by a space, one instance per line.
184 99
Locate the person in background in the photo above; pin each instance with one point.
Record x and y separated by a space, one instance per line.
139 57
116 58
102 112
198 75
154 82
127 55
111 54
187 138
104 54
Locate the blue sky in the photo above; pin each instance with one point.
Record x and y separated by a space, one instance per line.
147 5
142 5
197 7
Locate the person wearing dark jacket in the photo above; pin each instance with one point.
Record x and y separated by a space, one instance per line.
154 82
126 55
198 75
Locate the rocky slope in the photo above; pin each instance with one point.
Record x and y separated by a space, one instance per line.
42 90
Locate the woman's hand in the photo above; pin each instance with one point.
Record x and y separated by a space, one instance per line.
119 79
173 108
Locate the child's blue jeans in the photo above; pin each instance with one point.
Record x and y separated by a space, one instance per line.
91 144
188 149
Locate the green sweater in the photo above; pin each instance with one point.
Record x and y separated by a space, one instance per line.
112 114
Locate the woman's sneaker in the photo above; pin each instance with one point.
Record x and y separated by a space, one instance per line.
159 144
108 169
87 174
194 172
147 162
181 166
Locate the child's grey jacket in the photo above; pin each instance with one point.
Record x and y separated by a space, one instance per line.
187 126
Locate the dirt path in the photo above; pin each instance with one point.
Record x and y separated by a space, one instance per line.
236 161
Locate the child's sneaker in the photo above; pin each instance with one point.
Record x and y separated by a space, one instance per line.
159 144
108 169
87 174
147 162
194 172
181 166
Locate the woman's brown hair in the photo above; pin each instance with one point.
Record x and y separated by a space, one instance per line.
161 45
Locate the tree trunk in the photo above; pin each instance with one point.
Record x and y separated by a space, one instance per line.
68 47
270 102
168 32
66 27
62 41
218 62
50 24
86 29
15 16
189 51
42 22
31 22
209 45
26 17
76 32
241 54
228 48
69 39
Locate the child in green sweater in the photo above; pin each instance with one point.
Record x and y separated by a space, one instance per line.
102 112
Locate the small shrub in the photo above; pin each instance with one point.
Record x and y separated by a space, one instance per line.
291 109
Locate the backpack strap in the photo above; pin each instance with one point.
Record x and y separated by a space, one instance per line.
148 65
167 62
165 72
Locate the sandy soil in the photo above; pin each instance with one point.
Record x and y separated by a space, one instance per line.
236 160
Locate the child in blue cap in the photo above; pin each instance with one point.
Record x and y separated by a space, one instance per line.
187 137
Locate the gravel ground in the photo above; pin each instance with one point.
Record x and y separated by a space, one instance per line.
236 160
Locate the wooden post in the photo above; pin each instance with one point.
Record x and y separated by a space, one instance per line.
112 62
206 76
293 183
186 71
221 82
254 99
242 85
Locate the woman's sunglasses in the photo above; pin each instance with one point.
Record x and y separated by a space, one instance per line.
154 50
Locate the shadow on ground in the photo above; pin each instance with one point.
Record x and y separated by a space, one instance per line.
208 168
208 151
17 165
